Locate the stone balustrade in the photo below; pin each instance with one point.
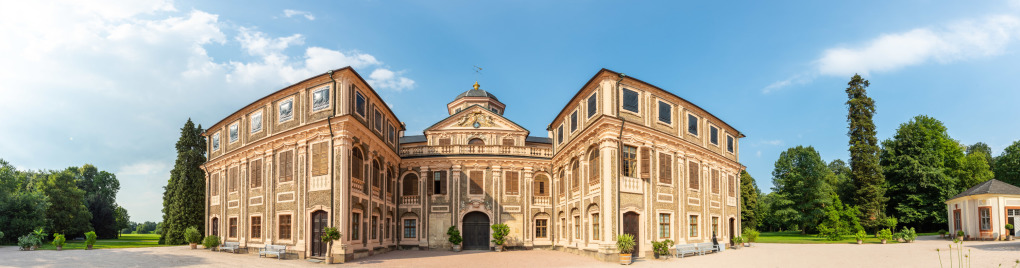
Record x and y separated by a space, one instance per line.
475 149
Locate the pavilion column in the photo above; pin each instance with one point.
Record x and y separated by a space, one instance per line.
341 186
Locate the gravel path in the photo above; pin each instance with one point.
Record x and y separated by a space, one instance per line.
918 254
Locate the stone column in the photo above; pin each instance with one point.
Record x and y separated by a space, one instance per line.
269 199
301 191
423 241
527 199
497 193
608 148
341 186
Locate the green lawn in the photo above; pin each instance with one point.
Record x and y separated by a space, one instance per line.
794 237
125 241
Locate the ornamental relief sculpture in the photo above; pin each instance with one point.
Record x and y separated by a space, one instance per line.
476 120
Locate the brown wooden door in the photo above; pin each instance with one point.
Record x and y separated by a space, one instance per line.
732 234
216 226
631 225
476 231
319 221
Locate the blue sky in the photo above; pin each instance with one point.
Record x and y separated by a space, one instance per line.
111 82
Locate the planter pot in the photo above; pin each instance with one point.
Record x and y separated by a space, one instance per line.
625 259
35 247
748 244
859 242
328 260
59 248
456 248
194 245
499 248
89 246
883 241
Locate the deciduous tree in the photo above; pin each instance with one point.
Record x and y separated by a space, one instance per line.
1007 165
922 164
801 179
67 213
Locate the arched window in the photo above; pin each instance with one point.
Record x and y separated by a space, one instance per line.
390 180
541 185
410 185
377 174
562 179
358 167
593 166
476 141
575 174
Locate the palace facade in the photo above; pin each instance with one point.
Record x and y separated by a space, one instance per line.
623 156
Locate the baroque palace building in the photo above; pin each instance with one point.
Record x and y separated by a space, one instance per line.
624 157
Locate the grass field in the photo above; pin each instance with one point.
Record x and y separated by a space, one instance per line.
125 241
794 237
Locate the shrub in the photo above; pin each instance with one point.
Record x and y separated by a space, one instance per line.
737 240
662 248
454 234
90 238
58 240
330 234
885 234
752 235
499 232
192 235
860 235
27 241
890 223
625 243
908 234
942 232
960 234
211 241
1008 227
1 235
40 235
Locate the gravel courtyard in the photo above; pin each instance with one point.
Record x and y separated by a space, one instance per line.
918 254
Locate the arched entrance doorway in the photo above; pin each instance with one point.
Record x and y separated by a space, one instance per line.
732 234
631 226
476 231
216 226
320 220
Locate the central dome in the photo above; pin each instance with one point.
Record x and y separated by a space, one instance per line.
476 92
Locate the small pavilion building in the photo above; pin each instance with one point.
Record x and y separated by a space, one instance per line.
983 211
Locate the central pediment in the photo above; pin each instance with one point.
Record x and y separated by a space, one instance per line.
476 118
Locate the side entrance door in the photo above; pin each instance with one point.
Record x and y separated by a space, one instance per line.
476 231
630 226
319 221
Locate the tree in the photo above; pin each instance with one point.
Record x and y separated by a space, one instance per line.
839 221
22 208
801 180
184 194
842 185
922 165
101 189
981 147
122 218
1007 165
749 192
974 170
67 213
866 173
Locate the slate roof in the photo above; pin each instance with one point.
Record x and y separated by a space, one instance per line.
476 93
992 186
413 139
538 139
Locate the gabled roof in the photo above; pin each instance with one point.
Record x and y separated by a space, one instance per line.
413 139
992 186
469 109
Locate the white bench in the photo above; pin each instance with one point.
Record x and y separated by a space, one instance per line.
706 248
685 249
277 250
231 246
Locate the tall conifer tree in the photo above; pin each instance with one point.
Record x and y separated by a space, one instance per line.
865 171
184 194
750 217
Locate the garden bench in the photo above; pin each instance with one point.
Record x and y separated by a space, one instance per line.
685 249
277 250
231 246
706 248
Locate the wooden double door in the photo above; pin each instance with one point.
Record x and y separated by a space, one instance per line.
320 220
476 231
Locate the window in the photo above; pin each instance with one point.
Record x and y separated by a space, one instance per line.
377 120
577 227
692 124
665 112
375 226
377 174
286 110
713 135
439 182
233 228
284 227
356 226
715 226
593 166
508 141
477 182
630 100
256 121
541 228
715 181
559 135
232 180
214 184
592 105
694 181
956 220
541 182
476 141
732 186
573 121
393 133
216 142
444 141
410 228
410 185
256 227
986 218
215 226
233 131
729 143
286 166
512 185
665 168
320 99
694 226
663 225
357 168
359 104
387 229
563 227
562 179
575 175
646 163
595 226
320 159
256 173
629 161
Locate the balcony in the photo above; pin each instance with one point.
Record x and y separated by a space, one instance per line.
358 185
541 200
476 149
632 185
410 200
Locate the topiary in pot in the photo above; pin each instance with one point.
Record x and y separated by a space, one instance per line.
625 244
942 233
90 239
329 235
860 235
211 242
454 238
499 232
885 235
959 234
58 241
192 236
1008 227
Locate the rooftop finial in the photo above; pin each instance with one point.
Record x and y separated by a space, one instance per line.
476 85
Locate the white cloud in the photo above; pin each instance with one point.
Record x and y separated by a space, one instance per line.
384 78
956 41
144 168
290 13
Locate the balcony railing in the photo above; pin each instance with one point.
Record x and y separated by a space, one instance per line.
632 185
475 149
541 200
410 200
358 185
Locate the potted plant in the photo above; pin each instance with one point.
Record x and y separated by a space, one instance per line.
90 239
455 238
27 242
737 242
908 234
661 249
58 240
942 233
625 244
330 234
192 236
211 242
959 234
861 234
39 237
1010 228
752 236
499 232
884 235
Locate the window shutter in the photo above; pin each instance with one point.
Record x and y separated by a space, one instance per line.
431 181
692 167
444 141
508 141
442 182
715 181
665 169
646 162
477 183
732 186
